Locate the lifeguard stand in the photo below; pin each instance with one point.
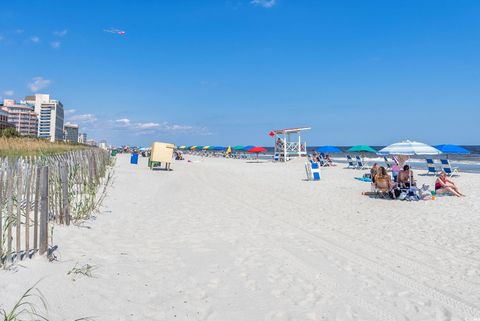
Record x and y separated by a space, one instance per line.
288 143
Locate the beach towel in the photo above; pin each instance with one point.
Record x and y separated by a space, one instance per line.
364 179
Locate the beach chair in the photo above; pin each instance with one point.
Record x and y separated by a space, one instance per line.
313 171
431 169
323 162
360 163
351 163
447 167
387 162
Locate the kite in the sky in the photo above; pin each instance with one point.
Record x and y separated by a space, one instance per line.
115 31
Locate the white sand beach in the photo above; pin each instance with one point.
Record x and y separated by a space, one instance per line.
231 240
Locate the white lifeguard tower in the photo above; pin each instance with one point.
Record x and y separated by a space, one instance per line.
288 143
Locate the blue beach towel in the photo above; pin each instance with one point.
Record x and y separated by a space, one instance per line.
364 179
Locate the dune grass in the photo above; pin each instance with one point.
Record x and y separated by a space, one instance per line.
20 146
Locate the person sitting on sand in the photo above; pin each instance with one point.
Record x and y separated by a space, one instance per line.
374 171
383 182
330 161
443 186
405 177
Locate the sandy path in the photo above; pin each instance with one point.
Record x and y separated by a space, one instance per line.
228 240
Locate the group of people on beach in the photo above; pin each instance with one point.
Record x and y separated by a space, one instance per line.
404 179
322 158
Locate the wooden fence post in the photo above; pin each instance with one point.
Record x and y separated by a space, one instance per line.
9 218
65 203
35 208
1 213
18 221
30 174
43 210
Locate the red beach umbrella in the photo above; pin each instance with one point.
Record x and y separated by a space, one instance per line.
257 150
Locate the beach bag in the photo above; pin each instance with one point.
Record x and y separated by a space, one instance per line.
397 192
412 195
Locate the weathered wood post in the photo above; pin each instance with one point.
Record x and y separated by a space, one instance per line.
65 202
1 218
9 218
18 221
36 207
30 174
43 210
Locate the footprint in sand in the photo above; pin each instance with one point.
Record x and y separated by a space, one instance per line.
442 314
278 316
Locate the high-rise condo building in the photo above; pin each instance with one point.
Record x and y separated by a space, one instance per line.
71 132
22 116
50 116
4 120
82 138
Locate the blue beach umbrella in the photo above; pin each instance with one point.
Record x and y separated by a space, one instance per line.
452 149
248 147
328 149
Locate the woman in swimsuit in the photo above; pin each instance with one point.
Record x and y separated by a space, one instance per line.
443 185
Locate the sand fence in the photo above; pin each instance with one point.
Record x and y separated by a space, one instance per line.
38 192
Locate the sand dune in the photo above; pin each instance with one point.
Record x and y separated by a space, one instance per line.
220 240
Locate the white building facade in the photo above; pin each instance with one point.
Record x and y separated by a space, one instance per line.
50 116
22 116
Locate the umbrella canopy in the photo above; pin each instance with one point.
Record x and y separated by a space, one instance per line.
238 147
193 147
182 147
246 148
229 150
205 147
257 150
199 147
328 149
409 148
452 149
218 148
362 148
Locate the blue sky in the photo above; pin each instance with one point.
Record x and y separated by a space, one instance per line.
228 71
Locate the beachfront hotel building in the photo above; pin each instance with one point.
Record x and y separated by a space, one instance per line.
4 120
71 132
22 116
82 138
50 116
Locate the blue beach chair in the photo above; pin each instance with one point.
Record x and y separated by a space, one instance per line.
447 167
387 162
351 163
313 171
360 163
431 169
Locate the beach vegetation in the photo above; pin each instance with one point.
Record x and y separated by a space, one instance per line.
85 270
27 305
9 132
28 146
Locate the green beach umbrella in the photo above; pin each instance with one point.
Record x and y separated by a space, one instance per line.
238 147
362 148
